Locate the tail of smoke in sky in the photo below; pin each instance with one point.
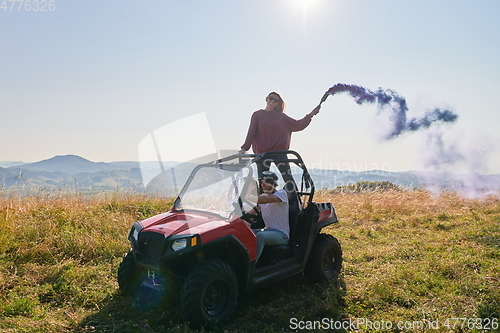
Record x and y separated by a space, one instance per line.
458 162
454 161
389 101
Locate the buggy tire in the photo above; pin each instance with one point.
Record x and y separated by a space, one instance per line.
130 276
209 294
325 260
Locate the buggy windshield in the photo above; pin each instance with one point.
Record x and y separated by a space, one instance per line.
218 189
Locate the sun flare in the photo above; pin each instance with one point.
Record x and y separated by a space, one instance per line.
305 3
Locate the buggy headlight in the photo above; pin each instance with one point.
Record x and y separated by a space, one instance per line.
134 232
179 244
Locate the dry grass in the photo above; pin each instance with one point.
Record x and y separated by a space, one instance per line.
58 256
411 256
408 256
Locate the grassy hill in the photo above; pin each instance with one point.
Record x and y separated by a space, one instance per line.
409 258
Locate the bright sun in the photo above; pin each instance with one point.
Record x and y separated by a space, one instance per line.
305 3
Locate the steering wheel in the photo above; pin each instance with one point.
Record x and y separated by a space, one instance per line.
250 217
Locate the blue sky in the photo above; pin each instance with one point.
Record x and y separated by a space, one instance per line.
93 78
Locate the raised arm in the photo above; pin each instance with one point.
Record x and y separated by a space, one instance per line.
299 125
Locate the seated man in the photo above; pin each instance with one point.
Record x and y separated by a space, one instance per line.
273 205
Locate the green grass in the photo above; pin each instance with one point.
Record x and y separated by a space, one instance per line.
408 257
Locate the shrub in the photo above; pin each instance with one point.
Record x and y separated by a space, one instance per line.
366 186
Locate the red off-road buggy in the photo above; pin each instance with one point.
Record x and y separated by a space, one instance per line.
205 244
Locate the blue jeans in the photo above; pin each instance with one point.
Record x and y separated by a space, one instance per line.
269 237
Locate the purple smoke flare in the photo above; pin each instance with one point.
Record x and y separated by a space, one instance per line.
397 104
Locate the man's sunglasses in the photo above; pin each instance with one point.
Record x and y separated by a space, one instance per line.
272 99
268 181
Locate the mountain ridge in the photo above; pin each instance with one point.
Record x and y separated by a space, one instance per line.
78 173
72 164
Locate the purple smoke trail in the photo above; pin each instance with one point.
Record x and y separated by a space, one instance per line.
387 97
458 165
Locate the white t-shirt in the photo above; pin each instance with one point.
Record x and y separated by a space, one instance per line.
275 214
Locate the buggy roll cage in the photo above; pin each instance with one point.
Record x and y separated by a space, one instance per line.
238 161
307 184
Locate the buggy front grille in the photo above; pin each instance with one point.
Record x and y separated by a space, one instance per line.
151 245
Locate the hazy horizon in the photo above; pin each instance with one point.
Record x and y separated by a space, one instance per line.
331 167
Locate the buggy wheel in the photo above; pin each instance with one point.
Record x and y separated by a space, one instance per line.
130 276
209 294
325 260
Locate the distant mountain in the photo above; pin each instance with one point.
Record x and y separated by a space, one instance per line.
17 178
8 164
75 173
71 164
330 179
125 165
71 172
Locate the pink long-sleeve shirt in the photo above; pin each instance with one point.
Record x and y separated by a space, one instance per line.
272 131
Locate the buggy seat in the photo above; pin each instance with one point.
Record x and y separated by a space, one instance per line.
293 218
